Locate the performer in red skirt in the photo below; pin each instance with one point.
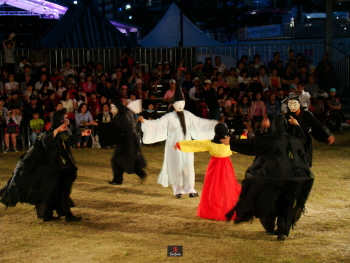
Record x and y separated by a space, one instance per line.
221 189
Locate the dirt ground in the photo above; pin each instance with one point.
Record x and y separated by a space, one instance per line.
136 223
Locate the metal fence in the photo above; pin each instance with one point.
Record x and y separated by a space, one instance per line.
149 57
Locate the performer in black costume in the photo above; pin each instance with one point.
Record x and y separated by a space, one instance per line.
44 175
297 115
278 182
127 156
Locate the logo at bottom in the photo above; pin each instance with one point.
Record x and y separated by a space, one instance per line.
175 251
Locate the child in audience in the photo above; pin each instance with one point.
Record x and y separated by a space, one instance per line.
258 111
244 113
59 88
13 121
37 126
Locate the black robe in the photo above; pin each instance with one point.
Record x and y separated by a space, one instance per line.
44 175
306 121
278 182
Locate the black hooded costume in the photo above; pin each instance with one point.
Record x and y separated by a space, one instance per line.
44 175
278 183
306 121
127 156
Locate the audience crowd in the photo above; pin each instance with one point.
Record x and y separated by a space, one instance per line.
245 94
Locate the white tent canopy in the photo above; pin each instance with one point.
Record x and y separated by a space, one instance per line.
167 33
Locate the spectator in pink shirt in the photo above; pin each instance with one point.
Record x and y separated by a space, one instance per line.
170 93
221 81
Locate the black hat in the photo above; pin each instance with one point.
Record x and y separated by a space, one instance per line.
57 118
279 124
177 95
32 97
221 130
293 96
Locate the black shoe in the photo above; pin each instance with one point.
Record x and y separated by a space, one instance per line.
73 218
178 196
114 183
270 233
281 237
277 232
194 195
50 218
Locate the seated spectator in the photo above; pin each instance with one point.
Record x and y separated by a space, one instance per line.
120 80
275 81
39 84
288 78
291 58
280 69
312 87
240 66
322 93
258 111
88 86
80 98
139 92
185 87
108 91
256 84
138 70
334 109
55 77
99 73
243 77
94 105
50 103
232 80
36 125
68 69
117 69
272 107
2 93
43 69
105 116
4 75
101 85
11 85
303 75
152 99
211 98
284 107
198 70
157 74
273 63
257 62
71 84
250 95
319 110
15 101
90 68
252 69
215 71
304 96
208 66
221 96
43 93
221 81
3 111
29 92
82 74
242 89
29 109
13 121
83 119
265 80
67 102
280 96
150 113
244 114
194 95
124 92
27 70
23 85
220 66
244 59
59 88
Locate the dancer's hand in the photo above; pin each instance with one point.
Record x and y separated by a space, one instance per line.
330 140
293 121
226 141
141 119
87 132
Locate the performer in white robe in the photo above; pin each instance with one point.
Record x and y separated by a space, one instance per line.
178 167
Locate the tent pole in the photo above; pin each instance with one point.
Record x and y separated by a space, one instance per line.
181 43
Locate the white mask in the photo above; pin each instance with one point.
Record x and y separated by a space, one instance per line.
114 109
293 105
179 105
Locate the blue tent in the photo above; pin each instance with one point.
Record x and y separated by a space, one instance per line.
84 26
167 32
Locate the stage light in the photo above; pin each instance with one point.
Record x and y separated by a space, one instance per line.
75 2
130 17
128 6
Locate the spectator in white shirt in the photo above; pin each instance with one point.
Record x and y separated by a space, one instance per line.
304 96
68 69
221 67
39 84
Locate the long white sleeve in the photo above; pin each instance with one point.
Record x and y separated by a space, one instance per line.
155 130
